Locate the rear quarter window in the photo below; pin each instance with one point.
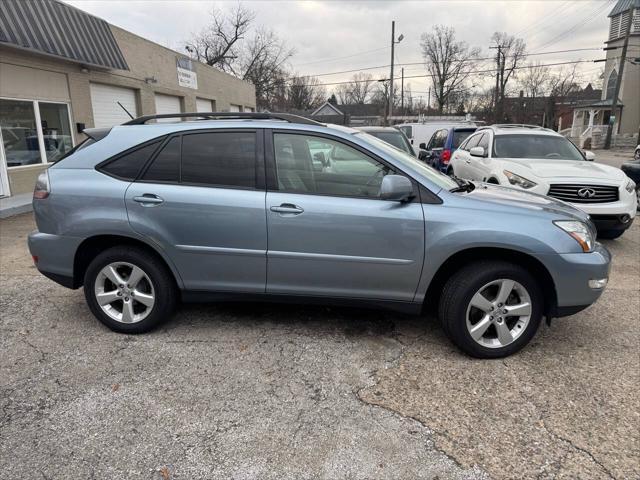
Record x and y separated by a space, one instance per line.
127 166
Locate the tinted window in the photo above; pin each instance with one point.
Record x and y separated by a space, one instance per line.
321 166
484 142
473 142
459 136
393 138
535 146
128 166
407 130
441 138
220 158
166 165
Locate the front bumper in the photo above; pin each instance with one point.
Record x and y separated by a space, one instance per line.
571 273
612 222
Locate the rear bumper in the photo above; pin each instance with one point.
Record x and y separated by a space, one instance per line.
571 273
55 256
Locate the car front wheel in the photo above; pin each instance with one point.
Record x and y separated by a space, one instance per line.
491 309
129 290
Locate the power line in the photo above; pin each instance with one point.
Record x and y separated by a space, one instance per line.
423 63
340 58
429 75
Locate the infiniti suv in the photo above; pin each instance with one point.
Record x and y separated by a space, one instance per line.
542 161
239 206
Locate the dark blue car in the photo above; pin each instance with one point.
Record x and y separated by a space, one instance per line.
442 144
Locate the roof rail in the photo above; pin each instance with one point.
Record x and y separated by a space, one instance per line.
518 125
287 117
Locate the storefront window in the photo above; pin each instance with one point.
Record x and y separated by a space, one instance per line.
56 130
19 133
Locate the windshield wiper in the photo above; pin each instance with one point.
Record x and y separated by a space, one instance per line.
463 185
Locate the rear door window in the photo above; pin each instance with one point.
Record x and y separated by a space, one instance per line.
224 159
166 165
128 165
460 136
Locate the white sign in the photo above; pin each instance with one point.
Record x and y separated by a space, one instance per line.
187 78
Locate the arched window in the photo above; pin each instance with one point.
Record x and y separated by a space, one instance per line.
611 84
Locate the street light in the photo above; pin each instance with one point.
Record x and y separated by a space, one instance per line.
393 43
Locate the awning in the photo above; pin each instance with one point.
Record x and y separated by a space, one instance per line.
54 28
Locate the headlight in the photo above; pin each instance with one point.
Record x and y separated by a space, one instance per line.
631 186
579 231
518 180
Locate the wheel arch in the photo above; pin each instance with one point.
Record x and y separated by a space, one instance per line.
467 256
92 246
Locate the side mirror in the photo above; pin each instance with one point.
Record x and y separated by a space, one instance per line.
423 146
319 157
590 156
396 188
477 152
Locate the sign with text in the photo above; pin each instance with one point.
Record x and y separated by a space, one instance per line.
187 77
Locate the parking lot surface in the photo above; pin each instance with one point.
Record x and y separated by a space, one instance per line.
266 391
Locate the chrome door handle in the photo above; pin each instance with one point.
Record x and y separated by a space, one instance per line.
468 161
287 208
148 200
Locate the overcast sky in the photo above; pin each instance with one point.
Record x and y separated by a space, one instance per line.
330 36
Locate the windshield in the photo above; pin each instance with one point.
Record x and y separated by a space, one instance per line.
535 146
436 177
460 136
394 138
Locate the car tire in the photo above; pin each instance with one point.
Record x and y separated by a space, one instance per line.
150 297
459 315
609 234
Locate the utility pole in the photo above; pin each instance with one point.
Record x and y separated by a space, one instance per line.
429 100
402 93
623 57
393 43
497 96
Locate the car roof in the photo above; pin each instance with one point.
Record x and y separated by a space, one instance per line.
519 129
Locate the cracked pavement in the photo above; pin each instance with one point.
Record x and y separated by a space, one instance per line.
265 391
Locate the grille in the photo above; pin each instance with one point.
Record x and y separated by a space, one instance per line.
596 193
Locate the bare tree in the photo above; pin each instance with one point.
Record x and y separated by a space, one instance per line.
535 79
358 90
448 61
255 55
512 52
304 93
343 93
217 45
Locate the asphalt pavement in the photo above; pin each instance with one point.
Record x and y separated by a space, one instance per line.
250 391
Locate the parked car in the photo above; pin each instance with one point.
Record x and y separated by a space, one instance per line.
543 161
636 154
437 153
144 215
632 170
419 133
392 136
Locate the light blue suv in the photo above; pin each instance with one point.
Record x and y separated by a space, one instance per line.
277 207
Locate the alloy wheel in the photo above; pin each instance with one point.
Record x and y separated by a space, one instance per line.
124 292
498 313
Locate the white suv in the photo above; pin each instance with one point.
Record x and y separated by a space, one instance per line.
542 161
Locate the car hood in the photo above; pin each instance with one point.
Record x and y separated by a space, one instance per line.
517 198
545 168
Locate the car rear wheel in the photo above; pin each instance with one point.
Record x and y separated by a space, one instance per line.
491 309
129 290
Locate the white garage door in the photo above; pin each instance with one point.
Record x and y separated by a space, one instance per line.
204 105
167 104
234 108
104 102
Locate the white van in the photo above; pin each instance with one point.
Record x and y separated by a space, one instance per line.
420 133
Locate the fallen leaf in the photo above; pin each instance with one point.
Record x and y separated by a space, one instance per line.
115 387
164 472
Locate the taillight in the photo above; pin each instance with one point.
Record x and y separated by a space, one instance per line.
446 156
43 188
